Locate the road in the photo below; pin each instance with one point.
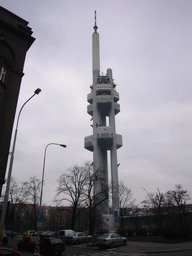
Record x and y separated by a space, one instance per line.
83 250
183 253
78 250
87 251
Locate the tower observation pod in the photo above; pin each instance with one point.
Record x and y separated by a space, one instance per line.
102 108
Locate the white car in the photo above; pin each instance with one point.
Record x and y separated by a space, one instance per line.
77 237
111 240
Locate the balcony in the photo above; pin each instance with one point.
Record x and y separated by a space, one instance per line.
103 88
90 97
119 141
90 109
105 136
104 101
117 108
103 96
116 96
88 142
104 131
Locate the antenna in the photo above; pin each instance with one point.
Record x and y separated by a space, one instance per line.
95 27
95 18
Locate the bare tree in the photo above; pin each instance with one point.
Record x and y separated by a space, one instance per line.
169 210
17 192
93 201
155 202
71 188
177 222
32 188
17 197
177 200
77 188
126 201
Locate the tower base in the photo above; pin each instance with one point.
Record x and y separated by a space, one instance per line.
109 222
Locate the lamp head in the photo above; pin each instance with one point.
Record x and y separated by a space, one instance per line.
62 145
37 91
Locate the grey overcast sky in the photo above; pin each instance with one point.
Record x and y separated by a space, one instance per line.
148 45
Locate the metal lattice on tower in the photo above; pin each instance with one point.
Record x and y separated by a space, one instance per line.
103 107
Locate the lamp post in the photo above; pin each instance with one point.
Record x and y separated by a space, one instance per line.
41 195
40 215
4 210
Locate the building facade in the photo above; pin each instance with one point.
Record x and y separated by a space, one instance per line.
15 40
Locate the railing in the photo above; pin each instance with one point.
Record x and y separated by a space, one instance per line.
103 87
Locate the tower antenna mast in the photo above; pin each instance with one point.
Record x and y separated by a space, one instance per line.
95 27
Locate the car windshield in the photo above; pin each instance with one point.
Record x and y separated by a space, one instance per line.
72 234
56 241
104 236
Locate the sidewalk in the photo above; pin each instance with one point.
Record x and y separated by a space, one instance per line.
144 247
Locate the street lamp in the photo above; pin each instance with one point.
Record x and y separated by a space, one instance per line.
41 195
4 210
40 215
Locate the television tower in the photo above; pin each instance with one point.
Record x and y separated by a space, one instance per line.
103 107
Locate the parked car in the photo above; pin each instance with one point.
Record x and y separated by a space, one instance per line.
64 233
49 233
77 237
29 232
6 251
51 245
44 233
27 243
10 233
111 240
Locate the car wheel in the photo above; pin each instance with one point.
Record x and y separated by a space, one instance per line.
124 242
32 249
20 248
77 242
112 245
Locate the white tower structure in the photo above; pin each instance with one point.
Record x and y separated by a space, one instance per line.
103 107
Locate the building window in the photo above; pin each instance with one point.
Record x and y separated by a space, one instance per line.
3 73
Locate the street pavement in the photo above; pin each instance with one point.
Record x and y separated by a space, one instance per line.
134 248
145 247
